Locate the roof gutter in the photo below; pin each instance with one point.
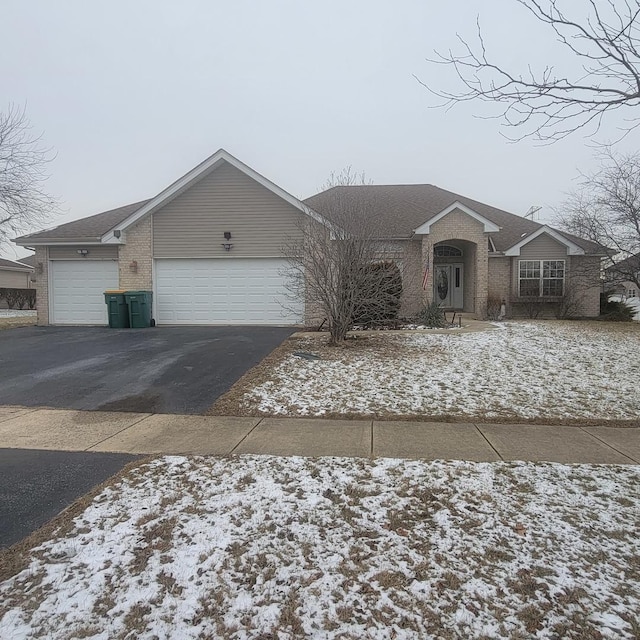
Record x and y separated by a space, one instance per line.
28 243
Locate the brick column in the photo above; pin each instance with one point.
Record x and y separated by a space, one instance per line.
42 286
427 255
137 249
482 280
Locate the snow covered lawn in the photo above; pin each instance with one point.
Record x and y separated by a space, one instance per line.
263 547
541 371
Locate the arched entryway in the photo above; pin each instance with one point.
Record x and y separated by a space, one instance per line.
454 274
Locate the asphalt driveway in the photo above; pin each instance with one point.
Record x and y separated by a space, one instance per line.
157 370
36 485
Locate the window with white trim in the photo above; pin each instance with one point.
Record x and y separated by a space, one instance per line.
631 293
541 278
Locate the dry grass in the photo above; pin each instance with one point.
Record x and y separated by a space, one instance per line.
15 323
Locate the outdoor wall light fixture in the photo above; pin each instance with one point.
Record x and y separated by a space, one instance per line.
133 266
227 245
83 252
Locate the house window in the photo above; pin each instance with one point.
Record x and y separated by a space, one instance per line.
541 278
632 293
446 251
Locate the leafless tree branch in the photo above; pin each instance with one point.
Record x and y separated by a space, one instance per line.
543 104
23 202
342 269
606 209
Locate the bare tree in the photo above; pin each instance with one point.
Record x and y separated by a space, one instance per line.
601 35
606 209
23 201
340 265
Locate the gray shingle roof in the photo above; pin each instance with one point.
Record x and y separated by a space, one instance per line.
399 209
13 265
92 227
30 261
396 209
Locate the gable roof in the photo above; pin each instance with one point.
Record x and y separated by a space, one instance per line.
197 173
100 227
398 210
488 226
573 249
91 228
12 265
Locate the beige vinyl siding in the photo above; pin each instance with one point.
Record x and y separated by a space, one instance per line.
544 247
193 224
14 279
96 252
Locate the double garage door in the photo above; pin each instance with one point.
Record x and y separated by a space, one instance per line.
224 291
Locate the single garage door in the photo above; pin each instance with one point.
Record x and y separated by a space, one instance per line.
77 288
223 291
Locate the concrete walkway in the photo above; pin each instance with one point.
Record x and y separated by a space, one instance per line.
145 433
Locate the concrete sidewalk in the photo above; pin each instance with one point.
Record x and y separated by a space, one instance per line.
145 433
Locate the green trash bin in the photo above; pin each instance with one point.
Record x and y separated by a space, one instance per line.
139 303
117 309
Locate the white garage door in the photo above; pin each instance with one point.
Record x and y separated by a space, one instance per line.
223 291
77 288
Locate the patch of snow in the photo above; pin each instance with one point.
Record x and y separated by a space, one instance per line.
255 547
17 313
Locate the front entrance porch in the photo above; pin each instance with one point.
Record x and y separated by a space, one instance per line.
454 275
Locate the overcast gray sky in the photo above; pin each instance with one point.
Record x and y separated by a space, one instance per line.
131 95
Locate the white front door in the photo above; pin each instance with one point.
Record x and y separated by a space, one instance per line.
77 290
448 285
224 291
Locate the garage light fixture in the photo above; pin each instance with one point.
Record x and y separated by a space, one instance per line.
227 245
83 252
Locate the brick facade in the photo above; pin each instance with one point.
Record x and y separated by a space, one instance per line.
135 258
500 278
42 285
582 288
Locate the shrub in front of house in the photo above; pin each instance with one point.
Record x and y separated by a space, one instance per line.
382 295
614 310
18 298
432 316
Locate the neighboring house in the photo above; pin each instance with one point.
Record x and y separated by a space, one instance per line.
623 278
14 275
210 248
